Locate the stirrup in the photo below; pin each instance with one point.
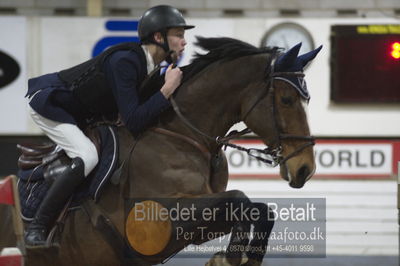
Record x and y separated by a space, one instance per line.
48 243
39 234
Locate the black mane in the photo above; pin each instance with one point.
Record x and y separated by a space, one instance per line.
221 48
225 48
218 49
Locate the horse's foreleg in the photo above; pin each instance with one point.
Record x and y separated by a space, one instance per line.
241 221
262 230
240 233
216 215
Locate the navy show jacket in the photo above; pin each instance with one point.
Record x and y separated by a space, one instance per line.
53 99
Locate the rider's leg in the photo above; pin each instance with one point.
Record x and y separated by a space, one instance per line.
70 138
84 158
58 194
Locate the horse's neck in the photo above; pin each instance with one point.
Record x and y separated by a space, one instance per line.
208 121
211 102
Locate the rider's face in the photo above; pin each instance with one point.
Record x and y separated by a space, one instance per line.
176 41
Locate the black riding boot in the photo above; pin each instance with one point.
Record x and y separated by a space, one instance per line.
60 191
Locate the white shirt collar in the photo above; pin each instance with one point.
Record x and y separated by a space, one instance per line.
149 60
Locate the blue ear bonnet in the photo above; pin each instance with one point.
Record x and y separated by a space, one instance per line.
290 62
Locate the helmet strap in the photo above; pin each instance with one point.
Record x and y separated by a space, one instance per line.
165 46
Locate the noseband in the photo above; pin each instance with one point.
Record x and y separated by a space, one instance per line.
272 156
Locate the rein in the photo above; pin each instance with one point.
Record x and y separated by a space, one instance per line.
271 156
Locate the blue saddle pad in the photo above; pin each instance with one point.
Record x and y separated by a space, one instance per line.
32 187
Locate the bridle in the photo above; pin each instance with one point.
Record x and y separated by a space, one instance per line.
272 156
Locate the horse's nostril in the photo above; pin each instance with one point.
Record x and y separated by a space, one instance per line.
303 172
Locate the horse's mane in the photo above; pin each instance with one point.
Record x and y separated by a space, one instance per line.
221 48
225 48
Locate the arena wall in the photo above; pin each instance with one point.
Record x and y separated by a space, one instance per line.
47 44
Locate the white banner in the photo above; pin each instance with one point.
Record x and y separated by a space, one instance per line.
332 159
56 43
12 74
66 42
364 159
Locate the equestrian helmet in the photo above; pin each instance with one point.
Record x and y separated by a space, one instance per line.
158 19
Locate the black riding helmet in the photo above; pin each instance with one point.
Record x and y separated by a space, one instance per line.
160 19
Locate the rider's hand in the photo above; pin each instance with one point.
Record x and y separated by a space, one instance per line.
173 77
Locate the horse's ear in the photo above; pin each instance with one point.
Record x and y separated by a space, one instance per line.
288 58
305 58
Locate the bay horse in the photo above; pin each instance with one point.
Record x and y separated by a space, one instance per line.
180 158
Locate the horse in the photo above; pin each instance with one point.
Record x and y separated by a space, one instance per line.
181 158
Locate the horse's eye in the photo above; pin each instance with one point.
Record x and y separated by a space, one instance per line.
287 100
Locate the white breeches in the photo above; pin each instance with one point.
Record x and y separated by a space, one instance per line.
70 138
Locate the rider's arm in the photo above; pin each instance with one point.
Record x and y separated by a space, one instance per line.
122 71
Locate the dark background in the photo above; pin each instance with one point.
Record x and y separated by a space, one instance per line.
362 68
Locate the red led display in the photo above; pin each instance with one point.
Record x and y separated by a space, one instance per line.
365 64
395 53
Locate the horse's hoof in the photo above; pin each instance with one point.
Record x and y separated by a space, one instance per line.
219 259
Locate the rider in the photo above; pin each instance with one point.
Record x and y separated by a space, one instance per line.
61 103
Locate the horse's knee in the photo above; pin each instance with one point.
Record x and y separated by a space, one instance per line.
266 212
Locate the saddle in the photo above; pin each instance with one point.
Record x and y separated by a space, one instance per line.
34 155
36 161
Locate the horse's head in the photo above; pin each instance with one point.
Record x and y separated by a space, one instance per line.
231 84
277 113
